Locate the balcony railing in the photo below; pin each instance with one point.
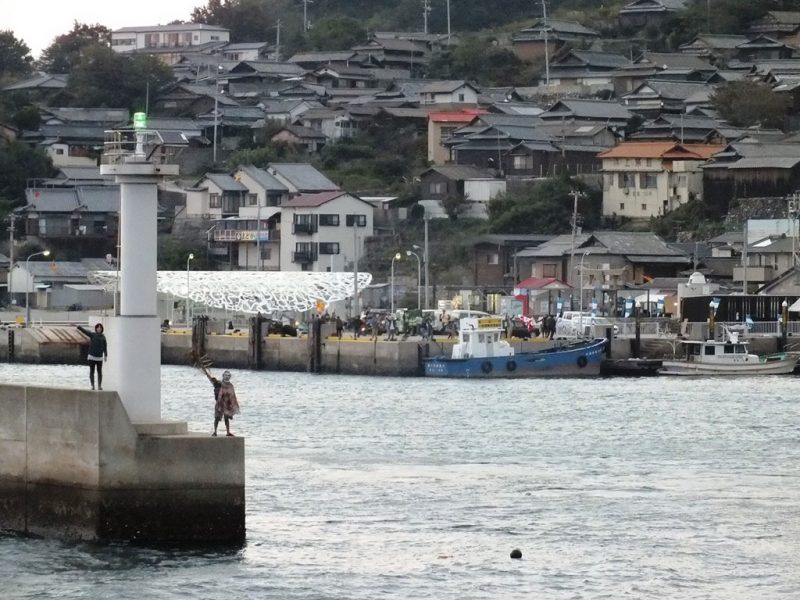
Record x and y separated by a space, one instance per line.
236 235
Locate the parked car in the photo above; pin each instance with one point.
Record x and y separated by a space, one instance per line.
573 324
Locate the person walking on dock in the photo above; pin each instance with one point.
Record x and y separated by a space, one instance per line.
97 354
225 403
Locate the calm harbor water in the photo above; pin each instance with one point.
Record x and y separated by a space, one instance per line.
411 488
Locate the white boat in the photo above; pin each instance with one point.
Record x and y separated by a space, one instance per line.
728 357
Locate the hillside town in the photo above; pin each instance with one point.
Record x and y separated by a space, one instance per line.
616 174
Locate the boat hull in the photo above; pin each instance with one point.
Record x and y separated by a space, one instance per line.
576 360
782 366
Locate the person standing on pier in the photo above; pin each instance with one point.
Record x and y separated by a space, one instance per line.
225 403
97 354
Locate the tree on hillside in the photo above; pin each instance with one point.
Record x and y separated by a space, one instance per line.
249 20
746 103
481 60
719 16
544 208
337 33
15 56
18 163
106 78
64 53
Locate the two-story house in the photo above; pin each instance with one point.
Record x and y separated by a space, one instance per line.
180 35
251 239
323 231
648 179
216 195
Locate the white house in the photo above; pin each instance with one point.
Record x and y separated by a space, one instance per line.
648 179
449 92
155 37
321 231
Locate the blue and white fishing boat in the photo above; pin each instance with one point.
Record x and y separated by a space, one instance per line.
482 353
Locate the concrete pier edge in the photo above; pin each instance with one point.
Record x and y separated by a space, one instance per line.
73 466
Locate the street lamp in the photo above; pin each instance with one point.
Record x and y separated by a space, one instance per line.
419 275
397 256
220 69
27 287
188 312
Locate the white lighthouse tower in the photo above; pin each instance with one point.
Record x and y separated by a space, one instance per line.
137 160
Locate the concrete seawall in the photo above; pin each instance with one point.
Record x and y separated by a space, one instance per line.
347 356
73 466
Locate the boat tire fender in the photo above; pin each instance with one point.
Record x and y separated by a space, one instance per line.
582 361
486 367
511 366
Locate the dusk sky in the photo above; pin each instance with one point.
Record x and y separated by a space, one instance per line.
37 22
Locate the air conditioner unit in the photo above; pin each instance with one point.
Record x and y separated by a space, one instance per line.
626 191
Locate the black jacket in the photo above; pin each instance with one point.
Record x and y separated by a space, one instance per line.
97 342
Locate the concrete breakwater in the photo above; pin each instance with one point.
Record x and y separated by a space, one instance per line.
324 354
73 466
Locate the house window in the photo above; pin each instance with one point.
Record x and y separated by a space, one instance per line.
638 162
252 199
59 151
329 220
266 252
549 270
644 207
492 258
622 206
356 220
215 201
523 162
627 180
461 97
648 181
437 188
329 248
649 162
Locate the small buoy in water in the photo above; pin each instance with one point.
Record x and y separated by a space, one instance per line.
516 553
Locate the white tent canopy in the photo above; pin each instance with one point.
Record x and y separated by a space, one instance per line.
252 291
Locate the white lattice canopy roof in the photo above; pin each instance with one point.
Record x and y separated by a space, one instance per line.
253 291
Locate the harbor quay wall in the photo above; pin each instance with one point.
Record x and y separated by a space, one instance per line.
74 467
347 356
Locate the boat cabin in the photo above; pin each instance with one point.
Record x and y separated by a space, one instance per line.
481 337
732 350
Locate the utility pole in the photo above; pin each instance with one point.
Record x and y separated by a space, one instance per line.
426 8
305 16
448 21
278 41
792 213
427 260
356 311
575 195
12 223
546 46
744 260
